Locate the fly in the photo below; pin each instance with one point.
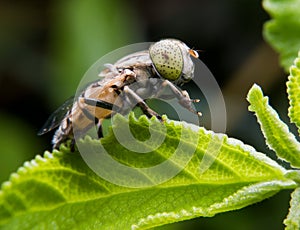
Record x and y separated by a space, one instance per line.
140 75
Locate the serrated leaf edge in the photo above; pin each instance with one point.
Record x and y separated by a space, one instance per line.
292 220
236 143
248 192
294 101
183 213
290 157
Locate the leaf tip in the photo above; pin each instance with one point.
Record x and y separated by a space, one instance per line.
254 90
255 96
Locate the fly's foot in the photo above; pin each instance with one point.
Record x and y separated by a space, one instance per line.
195 100
186 102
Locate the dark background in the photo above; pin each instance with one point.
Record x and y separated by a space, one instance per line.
46 47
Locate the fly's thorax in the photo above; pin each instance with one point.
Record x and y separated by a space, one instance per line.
171 60
109 72
137 59
144 82
142 73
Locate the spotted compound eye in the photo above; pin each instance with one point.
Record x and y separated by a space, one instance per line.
167 59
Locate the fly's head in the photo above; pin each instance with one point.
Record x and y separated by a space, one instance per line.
172 61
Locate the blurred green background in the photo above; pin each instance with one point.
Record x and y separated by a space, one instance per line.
46 47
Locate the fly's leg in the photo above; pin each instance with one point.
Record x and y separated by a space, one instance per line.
72 145
132 97
182 96
99 131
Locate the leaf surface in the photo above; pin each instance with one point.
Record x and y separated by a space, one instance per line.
59 190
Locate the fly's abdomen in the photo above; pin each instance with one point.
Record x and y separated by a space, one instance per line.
63 132
75 120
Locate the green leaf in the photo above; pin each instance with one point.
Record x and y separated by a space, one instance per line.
275 131
283 31
59 190
293 219
293 89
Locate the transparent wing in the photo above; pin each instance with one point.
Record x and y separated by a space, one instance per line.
57 116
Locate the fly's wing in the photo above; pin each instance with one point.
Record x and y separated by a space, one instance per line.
57 116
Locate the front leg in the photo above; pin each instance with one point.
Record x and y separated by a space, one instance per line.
132 97
181 95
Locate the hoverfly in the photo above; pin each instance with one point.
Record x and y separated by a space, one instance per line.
167 63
